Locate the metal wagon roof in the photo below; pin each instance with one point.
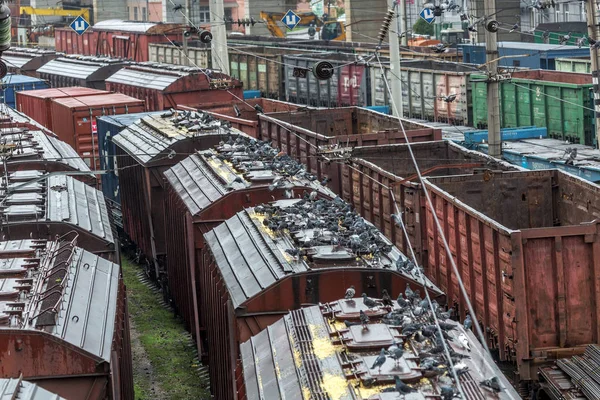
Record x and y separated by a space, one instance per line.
72 293
24 390
325 353
56 198
81 67
152 137
252 254
19 57
207 176
155 76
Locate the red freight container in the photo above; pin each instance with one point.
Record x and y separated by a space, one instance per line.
74 120
300 134
165 86
527 246
116 38
37 103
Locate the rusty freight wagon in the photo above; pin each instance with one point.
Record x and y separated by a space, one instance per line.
144 150
64 320
277 257
204 190
17 388
244 115
25 61
41 207
25 149
311 354
76 70
527 246
37 104
306 134
164 86
372 171
118 38
74 120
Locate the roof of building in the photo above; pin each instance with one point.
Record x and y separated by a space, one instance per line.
325 352
23 145
58 198
118 25
23 390
260 246
81 67
76 304
152 137
572 26
207 176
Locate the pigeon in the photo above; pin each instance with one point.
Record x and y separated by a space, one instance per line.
313 195
325 181
237 111
350 323
440 48
468 324
350 292
565 39
408 292
368 301
447 392
580 41
546 36
402 302
492 383
514 28
450 98
472 28
386 299
396 351
464 342
379 361
259 109
364 318
446 315
178 7
403 387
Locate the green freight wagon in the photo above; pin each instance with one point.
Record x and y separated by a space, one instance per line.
559 101
582 65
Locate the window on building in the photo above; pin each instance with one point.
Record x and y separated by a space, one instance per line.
228 17
516 63
200 14
128 13
144 16
135 13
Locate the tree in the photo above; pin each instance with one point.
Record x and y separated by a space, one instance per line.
421 27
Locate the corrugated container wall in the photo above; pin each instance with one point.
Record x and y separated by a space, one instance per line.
37 104
12 83
581 65
527 246
559 101
74 120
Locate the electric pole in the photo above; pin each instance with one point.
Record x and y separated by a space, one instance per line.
493 86
593 32
403 31
220 56
395 81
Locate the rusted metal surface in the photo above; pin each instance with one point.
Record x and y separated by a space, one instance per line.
78 70
371 171
37 104
527 246
11 389
25 61
311 353
249 280
164 86
303 134
144 151
115 38
558 385
66 335
243 115
204 190
74 120
54 206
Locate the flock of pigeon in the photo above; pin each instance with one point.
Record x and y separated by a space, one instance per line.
194 120
414 317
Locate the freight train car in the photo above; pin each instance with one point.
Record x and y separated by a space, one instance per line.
76 70
305 134
37 104
70 333
44 207
560 101
145 150
25 61
527 246
13 83
17 388
269 260
117 38
204 190
164 86
381 180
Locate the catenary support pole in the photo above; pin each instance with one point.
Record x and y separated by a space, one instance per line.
220 56
395 82
593 32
